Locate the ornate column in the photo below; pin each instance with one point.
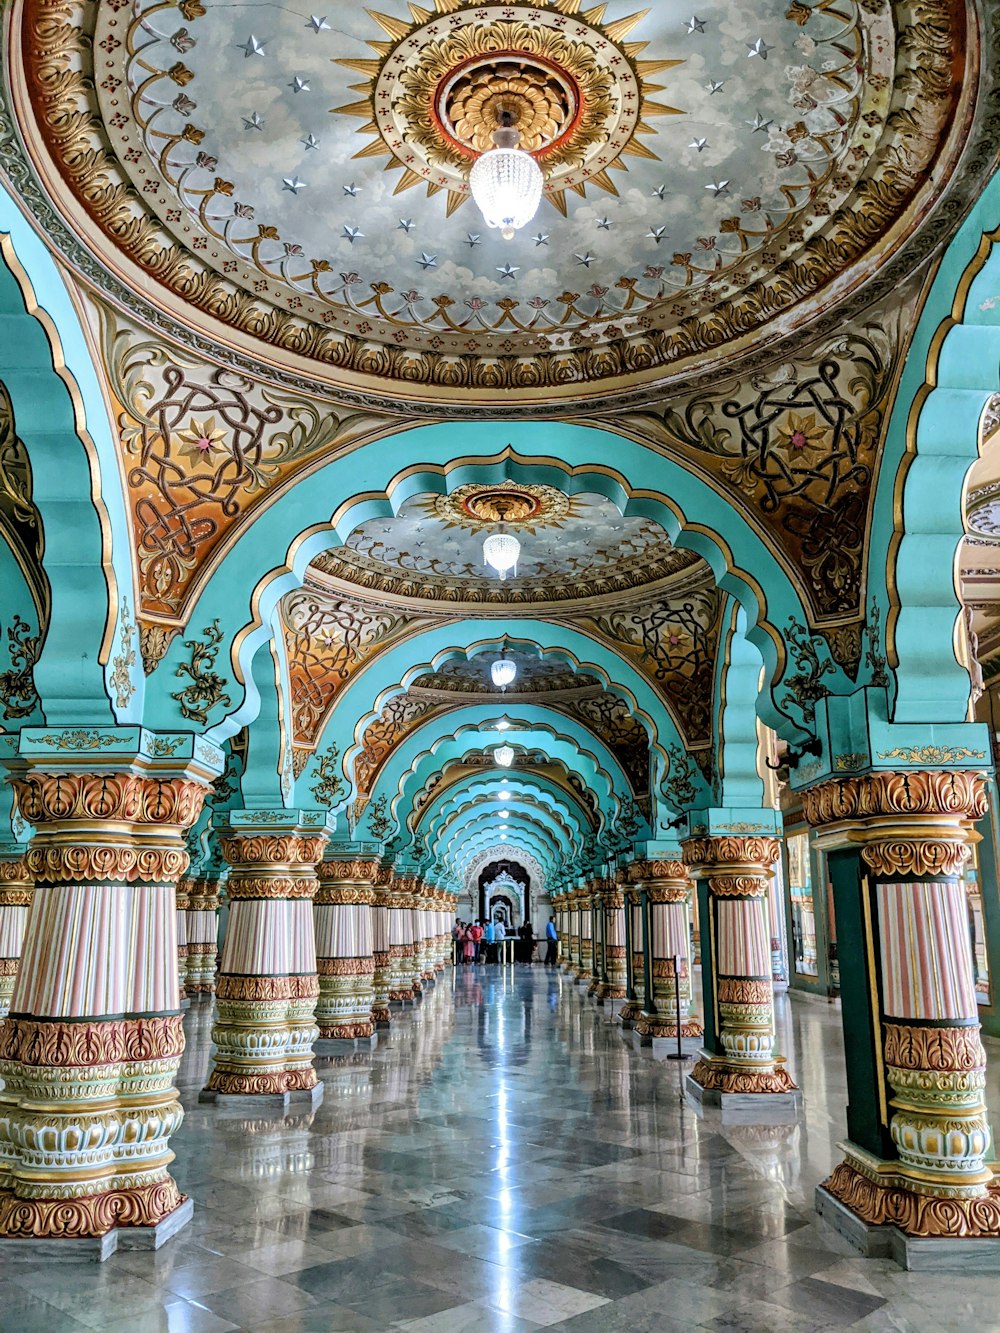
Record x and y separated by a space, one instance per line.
182 900
401 947
666 896
571 954
16 890
90 1048
267 986
381 951
584 969
595 916
203 935
345 961
425 932
635 936
612 991
739 1058
917 1179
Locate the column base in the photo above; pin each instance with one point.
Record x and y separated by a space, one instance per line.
873 1206
357 1029
650 1027
661 1046
629 1012
338 1045
104 1246
381 1017
747 1096
402 997
262 1103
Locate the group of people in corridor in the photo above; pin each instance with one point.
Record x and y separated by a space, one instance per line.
486 942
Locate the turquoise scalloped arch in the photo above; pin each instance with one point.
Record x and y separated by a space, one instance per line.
951 369
323 508
60 415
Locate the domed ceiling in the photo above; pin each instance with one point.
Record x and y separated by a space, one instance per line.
295 186
572 548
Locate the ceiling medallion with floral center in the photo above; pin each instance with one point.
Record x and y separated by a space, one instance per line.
577 94
476 507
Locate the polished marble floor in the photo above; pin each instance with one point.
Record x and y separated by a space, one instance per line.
504 1161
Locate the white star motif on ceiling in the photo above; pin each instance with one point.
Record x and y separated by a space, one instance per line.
716 86
253 46
759 48
352 233
253 122
299 84
603 224
427 261
586 260
718 187
759 124
699 144
352 189
695 24
657 233
472 239
405 224
310 141
658 191
293 184
506 271
317 24
541 239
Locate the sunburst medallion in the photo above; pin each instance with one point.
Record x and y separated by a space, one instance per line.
576 90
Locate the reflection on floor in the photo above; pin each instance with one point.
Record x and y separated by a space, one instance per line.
504 1161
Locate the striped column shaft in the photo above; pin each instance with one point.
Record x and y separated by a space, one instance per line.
737 870
345 958
401 947
381 952
267 986
203 935
667 887
91 1045
912 828
611 986
584 972
15 898
183 901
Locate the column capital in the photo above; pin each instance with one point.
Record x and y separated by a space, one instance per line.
908 823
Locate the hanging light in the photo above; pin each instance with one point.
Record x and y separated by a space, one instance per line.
504 755
503 671
506 182
501 551
505 814
503 724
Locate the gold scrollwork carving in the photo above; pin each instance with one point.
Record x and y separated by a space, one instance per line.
883 1204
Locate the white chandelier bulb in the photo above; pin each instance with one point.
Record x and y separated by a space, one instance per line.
503 672
500 552
504 755
506 183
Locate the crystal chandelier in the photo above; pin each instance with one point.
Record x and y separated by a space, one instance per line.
500 551
504 755
503 671
506 182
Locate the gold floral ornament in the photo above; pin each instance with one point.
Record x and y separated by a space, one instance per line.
206 688
579 100
199 440
802 438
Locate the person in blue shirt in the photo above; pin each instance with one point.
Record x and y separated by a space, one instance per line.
489 937
552 942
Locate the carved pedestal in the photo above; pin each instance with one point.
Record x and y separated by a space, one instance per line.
921 1187
739 1060
267 986
344 953
202 935
667 891
89 1051
15 899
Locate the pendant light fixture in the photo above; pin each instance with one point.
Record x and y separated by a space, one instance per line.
504 755
503 671
501 551
506 182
